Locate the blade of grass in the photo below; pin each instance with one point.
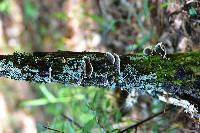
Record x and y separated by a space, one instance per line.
47 93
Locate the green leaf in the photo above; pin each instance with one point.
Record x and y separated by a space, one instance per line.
100 20
89 125
132 47
30 9
115 130
36 102
192 11
118 116
39 127
155 127
109 25
139 20
47 93
59 15
69 128
164 4
146 8
157 106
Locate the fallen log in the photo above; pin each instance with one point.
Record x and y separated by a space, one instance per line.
174 79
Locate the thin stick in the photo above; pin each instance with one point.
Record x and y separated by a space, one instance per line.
145 120
49 128
72 121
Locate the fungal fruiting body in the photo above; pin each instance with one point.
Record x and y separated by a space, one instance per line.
148 51
50 70
117 63
88 66
110 57
161 49
114 59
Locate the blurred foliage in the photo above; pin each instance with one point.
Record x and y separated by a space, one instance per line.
30 9
90 107
141 40
192 11
60 16
104 24
4 5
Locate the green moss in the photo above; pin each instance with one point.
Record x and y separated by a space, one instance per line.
167 68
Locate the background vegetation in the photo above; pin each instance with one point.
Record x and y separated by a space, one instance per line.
118 26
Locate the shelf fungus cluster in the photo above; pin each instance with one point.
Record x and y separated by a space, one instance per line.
159 49
173 80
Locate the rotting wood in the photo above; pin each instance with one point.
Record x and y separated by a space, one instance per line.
174 79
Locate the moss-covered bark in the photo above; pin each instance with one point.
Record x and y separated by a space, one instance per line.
176 76
178 73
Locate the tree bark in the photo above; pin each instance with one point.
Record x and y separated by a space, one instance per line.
175 79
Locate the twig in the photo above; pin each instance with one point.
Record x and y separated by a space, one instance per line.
52 129
136 129
145 120
72 121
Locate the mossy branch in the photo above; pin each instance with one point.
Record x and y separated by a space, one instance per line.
175 79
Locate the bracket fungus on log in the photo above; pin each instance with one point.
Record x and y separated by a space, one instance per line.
174 79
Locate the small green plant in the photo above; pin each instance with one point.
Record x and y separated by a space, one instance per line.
90 107
192 11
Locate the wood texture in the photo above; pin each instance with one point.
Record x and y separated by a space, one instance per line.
175 79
